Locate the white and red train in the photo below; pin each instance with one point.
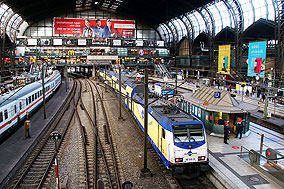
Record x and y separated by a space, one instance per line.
15 105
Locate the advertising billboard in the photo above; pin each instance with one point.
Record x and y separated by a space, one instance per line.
70 42
44 42
57 41
160 43
78 27
82 42
224 59
139 43
116 42
32 41
256 59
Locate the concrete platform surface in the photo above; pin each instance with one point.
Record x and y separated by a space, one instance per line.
226 160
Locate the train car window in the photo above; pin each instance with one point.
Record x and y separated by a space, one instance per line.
30 99
1 117
38 94
6 114
27 102
33 97
15 109
163 133
20 104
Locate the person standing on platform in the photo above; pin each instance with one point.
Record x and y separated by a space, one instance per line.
263 97
226 131
239 128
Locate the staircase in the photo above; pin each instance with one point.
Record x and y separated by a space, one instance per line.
162 70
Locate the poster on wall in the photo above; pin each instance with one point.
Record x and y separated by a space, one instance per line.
78 27
224 59
256 59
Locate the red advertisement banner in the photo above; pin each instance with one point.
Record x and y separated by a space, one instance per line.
94 27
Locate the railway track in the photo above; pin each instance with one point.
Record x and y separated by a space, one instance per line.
37 167
100 157
110 173
88 143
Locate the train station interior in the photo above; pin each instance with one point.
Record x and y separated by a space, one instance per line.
142 94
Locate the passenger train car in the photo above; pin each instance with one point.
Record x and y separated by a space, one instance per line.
178 138
15 105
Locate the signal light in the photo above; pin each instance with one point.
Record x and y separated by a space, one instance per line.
271 154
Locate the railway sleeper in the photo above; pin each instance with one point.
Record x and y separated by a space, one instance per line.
28 186
39 165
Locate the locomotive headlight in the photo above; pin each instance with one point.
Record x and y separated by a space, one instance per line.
201 158
179 160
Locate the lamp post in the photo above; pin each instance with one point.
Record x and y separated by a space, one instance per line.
145 172
43 90
120 114
243 88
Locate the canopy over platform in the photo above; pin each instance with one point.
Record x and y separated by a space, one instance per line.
219 101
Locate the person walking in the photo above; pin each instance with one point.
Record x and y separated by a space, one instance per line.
226 131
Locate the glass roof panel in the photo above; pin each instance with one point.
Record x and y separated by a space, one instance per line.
217 18
260 9
162 32
226 16
247 8
271 10
170 34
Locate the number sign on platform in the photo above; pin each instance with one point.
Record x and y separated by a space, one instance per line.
217 94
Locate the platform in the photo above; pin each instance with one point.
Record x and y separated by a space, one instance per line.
15 147
236 172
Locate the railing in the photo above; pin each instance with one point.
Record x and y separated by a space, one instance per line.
271 164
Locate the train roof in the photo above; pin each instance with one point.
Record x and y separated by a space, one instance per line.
169 110
20 92
127 80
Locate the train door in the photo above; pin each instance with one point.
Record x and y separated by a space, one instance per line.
22 106
127 98
162 141
131 105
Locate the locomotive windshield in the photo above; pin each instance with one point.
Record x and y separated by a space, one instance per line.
188 133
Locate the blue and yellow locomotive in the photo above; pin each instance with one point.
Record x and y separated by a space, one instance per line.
178 138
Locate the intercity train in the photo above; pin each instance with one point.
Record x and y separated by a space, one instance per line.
178 138
15 105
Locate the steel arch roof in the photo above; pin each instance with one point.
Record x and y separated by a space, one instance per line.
152 12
